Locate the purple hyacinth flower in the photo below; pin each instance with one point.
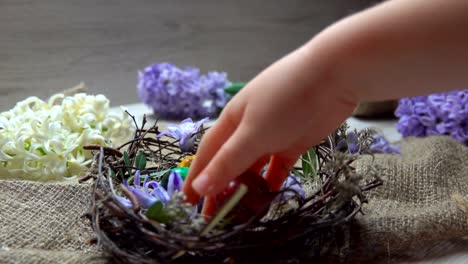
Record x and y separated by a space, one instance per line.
381 145
150 191
461 133
184 132
144 197
179 93
435 114
213 84
122 200
157 191
350 144
292 183
174 183
353 142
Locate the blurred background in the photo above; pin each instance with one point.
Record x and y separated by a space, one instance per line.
48 46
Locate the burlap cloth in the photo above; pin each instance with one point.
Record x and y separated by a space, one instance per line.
420 205
42 223
421 211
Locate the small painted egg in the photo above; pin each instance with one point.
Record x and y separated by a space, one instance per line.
182 171
254 202
186 162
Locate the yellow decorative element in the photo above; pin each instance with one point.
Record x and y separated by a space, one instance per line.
186 162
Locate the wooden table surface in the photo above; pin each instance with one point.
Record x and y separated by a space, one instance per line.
47 46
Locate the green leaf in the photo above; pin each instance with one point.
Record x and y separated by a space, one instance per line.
309 163
234 88
165 180
127 161
140 161
297 173
159 174
156 212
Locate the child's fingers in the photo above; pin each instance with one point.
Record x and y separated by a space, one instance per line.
209 207
211 143
260 164
234 157
278 170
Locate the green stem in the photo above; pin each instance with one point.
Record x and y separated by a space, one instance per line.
227 207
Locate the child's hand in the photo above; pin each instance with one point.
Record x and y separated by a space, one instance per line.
284 111
396 49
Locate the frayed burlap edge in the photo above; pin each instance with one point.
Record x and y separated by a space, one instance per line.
462 203
415 211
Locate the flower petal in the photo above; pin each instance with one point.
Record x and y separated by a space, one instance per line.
158 191
353 142
174 183
145 199
292 183
136 179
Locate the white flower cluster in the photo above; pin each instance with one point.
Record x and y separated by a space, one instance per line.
44 140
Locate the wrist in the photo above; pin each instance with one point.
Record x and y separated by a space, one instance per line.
333 54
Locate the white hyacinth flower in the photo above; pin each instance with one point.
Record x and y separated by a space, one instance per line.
44 140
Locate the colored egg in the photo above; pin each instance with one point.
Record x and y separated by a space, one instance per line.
254 202
182 171
186 162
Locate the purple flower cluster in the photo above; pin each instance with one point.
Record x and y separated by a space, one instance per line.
180 93
436 114
350 144
293 184
150 191
381 145
184 133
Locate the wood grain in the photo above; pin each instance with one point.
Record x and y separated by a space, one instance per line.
47 46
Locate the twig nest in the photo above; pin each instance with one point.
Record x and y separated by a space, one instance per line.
139 214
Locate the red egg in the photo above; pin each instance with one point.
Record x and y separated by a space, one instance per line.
254 202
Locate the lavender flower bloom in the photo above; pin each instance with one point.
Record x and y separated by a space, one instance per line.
292 183
350 144
436 114
151 191
174 183
184 132
381 145
175 93
214 84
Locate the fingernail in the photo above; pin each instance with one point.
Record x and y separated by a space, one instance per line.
202 185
